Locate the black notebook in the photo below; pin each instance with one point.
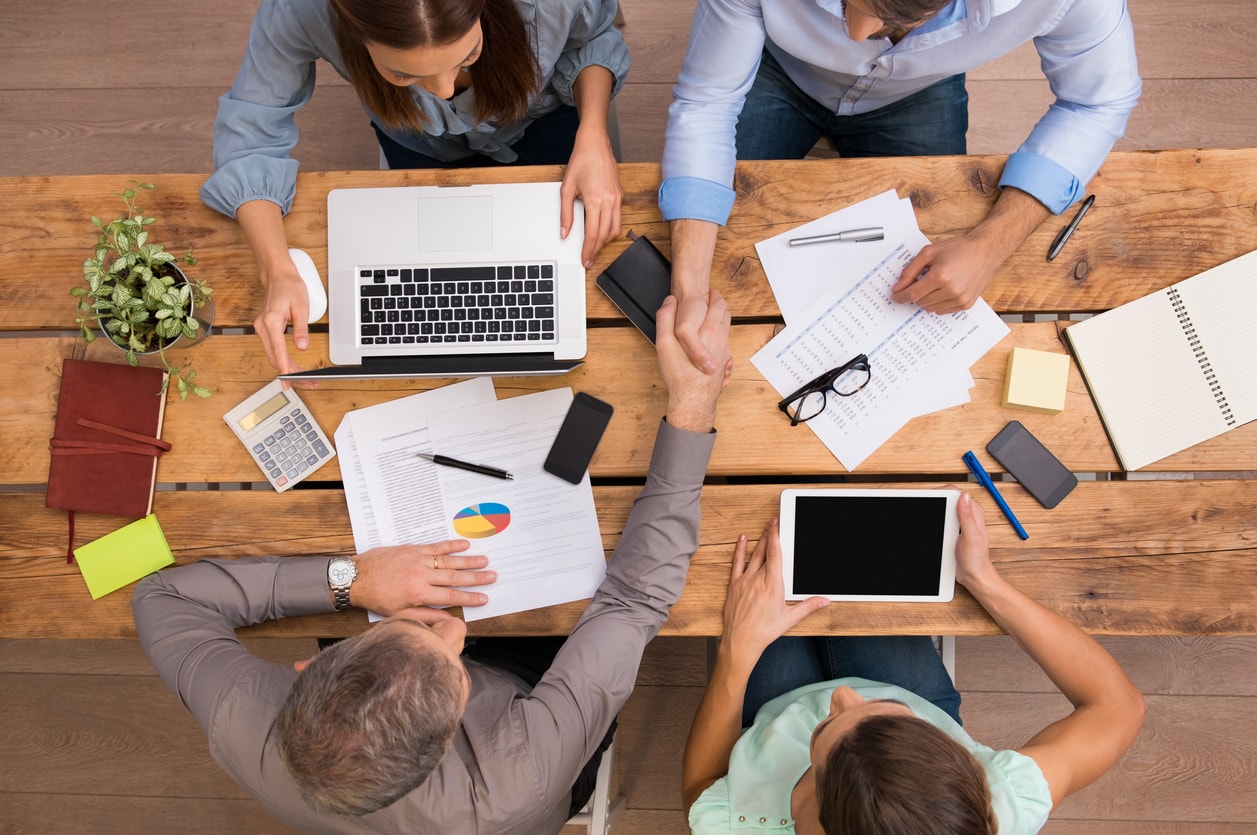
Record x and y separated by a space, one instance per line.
638 281
1177 367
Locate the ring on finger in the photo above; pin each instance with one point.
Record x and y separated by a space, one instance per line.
436 566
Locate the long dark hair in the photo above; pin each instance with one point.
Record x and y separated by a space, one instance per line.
900 775
505 76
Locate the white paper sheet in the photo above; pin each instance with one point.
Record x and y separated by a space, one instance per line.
917 357
545 543
399 502
799 275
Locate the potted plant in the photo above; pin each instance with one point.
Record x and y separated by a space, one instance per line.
138 295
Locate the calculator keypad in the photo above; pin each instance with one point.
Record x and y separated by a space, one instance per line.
289 451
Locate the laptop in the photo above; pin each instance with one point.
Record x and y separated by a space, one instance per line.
452 281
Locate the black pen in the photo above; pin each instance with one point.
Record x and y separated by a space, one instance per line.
1059 243
463 465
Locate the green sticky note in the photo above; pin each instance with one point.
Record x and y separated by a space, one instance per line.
123 556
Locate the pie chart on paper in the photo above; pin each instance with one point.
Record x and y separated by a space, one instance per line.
478 521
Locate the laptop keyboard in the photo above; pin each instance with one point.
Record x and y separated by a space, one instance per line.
439 305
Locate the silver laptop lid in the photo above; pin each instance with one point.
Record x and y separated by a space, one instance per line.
453 270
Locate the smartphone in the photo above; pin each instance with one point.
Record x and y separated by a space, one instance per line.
578 437
1030 462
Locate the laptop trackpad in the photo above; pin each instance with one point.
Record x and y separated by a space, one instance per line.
456 223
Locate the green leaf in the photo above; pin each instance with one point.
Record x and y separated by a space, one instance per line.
189 331
163 314
201 391
78 292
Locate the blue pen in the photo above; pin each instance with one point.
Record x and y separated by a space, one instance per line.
984 478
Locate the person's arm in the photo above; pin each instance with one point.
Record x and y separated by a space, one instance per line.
951 275
1108 710
1089 61
693 244
696 195
255 176
592 172
755 615
186 617
285 296
573 704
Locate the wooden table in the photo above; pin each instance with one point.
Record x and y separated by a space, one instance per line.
1172 556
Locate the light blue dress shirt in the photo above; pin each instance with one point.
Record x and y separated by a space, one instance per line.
254 133
1086 49
770 757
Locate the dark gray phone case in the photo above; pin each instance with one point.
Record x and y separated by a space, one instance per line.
1032 464
638 281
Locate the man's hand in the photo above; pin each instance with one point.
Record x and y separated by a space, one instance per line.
399 577
756 612
286 300
692 394
693 243
593 176
949 276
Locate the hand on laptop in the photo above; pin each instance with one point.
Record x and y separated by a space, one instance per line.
692 393
592 175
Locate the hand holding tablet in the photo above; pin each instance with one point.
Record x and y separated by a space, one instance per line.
869 545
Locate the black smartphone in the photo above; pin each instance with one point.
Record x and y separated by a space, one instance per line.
1029 461
578 437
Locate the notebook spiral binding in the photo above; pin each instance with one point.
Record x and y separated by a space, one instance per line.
1193 339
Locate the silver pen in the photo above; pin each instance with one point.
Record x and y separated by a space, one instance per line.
872 233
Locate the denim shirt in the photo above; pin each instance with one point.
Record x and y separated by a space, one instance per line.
1086 50
254 133
771 755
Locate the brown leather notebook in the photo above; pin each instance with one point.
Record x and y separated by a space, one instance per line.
106 441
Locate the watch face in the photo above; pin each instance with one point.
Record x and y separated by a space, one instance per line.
341 572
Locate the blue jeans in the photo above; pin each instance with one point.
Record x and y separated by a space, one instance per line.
907 661
547 141
780 121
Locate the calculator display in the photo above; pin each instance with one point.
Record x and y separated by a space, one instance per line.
264 411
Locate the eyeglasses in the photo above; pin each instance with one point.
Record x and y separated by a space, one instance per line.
809 401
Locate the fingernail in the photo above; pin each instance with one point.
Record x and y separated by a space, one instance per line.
302 343
562 231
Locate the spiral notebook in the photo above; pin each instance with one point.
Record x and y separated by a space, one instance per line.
1177 367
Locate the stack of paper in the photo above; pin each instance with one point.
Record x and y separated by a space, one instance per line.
539 532
835 298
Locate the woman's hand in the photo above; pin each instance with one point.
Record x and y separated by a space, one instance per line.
973 553
756 612
593 176
399 577
285 300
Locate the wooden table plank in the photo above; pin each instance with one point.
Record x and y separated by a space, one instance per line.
622 370
1160 216
1102 558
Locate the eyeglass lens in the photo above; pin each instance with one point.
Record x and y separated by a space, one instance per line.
813 403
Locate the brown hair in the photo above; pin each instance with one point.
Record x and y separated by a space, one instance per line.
900 775
897 13
368 720
505 76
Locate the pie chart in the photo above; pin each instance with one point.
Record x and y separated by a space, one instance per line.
478 521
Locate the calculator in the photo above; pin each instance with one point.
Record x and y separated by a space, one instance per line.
277 429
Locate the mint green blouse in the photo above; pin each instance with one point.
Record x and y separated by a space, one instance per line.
772 754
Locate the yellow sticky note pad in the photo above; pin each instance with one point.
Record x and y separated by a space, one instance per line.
124 556
1036 381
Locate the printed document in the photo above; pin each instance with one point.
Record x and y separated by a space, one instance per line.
920 361
539 532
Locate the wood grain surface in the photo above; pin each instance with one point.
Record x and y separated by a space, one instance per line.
1141 582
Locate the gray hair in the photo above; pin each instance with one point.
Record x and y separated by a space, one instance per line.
368 720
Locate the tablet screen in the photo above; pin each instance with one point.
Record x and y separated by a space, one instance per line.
878 545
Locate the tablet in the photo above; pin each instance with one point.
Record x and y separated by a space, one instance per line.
879 545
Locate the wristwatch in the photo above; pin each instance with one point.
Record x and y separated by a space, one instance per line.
341 573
